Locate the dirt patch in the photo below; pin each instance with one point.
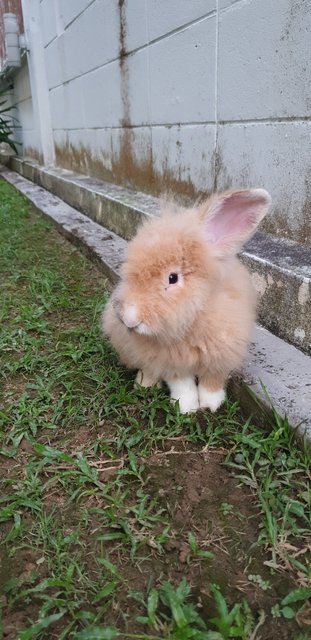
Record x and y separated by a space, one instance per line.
205 499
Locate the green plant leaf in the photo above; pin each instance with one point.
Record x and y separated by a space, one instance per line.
288 612
205 554
152 604
107 589
173 600
37 627
109 566
219 601
96 633
297 595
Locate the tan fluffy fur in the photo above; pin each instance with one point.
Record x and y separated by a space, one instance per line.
201 328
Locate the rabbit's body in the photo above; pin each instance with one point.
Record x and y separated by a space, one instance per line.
198 326
216 340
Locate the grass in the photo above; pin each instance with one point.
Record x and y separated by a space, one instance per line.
119 517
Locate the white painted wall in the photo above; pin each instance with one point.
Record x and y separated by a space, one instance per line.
210 93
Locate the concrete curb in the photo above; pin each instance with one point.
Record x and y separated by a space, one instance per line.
274 365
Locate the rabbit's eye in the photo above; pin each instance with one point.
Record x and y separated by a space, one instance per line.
173 278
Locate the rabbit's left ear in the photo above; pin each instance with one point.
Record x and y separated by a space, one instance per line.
229 219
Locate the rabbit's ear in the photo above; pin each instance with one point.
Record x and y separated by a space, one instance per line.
231 218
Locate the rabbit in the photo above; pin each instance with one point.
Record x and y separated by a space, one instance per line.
184 309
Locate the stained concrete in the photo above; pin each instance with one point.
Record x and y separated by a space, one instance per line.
273 366
281 269
118 209
280 376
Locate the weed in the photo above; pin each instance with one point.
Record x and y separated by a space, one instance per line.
278 473
226 508
236 623
195 551
257 579
169 613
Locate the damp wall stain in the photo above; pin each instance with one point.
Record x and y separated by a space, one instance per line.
34 154
123 168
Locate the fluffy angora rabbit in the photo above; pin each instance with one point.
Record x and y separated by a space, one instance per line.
184 309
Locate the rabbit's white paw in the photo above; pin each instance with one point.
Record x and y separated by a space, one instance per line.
211 399
186 392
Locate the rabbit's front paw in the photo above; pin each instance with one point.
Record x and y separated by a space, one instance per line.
143 379
210 399
186 392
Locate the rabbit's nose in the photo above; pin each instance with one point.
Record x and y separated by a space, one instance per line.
130 316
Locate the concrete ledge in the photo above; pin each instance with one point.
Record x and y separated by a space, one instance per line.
284 371
281 272
116 208
281 269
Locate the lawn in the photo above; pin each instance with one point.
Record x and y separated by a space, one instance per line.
119 517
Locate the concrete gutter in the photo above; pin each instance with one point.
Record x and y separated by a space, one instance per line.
281 269
274 365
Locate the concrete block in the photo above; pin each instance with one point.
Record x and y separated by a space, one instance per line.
101 97
275 156
69 11
101 149
92 39
285 373
264 63
57 106
60 137
122 93
164 17
48 21
31 142
182 75
135 24
84 138
135 88
89 149
141 143
55 62
66 102
74 104
131 148
281 273
225 4
185 154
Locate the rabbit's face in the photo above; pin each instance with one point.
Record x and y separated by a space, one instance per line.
164 280
176 263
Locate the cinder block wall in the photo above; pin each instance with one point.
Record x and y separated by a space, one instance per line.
184 95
